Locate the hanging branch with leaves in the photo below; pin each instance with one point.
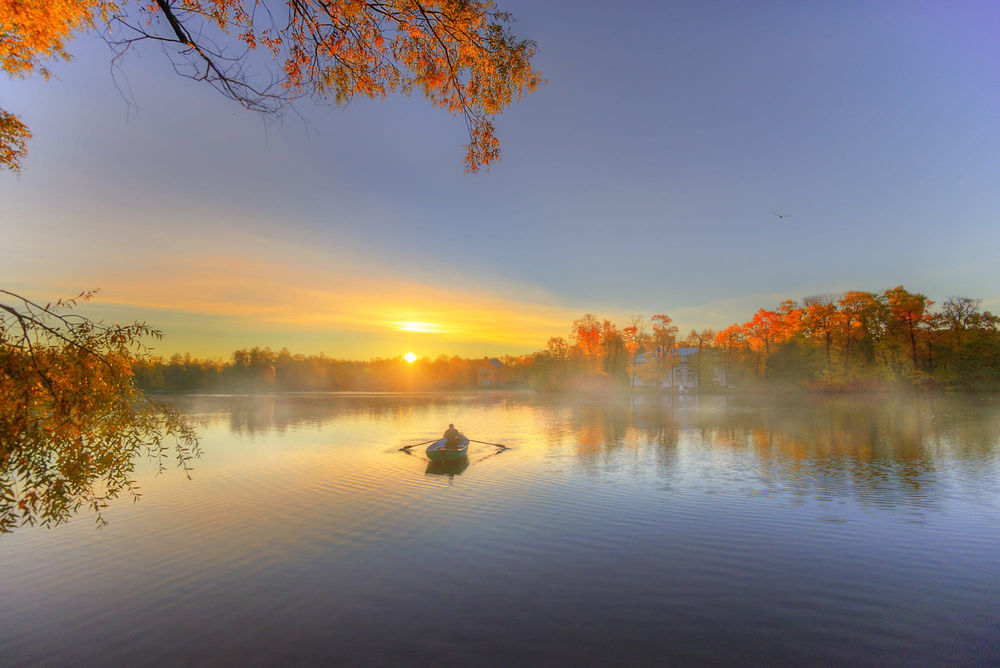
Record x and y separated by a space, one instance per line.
460 54
72 423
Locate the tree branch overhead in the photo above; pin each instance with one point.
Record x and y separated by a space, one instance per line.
460 54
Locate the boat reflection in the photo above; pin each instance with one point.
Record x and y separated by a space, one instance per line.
452 467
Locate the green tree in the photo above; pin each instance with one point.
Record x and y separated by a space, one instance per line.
613 350
960 314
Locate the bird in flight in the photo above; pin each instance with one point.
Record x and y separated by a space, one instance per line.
780 215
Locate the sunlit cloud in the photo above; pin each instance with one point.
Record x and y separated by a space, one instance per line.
248 290
416 326
292 291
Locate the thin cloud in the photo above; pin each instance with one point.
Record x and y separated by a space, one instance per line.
292 294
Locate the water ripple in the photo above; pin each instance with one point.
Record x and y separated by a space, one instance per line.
647 530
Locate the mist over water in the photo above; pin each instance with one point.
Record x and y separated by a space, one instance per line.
682 529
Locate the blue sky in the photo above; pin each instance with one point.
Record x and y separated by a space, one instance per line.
640 179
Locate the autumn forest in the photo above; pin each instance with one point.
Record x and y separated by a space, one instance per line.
852 341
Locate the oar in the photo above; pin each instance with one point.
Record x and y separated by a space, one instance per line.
499 445
493 454
406 448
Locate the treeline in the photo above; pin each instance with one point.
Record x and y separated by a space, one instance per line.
263 370
855 340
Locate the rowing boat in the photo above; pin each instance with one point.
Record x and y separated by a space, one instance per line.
438 451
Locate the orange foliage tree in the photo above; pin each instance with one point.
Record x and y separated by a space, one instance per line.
662 340
789 320
634 337
729 340
460 54
760 332
71 418
587 340
32 32
818 321
908 310
854 306
857 339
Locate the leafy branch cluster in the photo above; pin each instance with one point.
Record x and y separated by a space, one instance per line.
72 422
460 54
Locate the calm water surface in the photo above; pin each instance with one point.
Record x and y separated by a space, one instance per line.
677 530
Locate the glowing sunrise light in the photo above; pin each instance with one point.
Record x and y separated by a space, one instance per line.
417 326
410 357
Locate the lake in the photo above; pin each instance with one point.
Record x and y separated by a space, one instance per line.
654 530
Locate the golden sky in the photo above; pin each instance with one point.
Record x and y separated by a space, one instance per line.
242 289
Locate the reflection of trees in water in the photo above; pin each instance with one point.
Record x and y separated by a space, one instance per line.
884 450
264 413
600 430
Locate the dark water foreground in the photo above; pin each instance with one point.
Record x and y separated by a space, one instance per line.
861 531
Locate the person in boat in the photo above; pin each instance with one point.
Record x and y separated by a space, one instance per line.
451 437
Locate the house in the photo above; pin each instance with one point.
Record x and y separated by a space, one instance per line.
488 372
678 368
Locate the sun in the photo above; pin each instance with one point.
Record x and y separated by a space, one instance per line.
417 326
410 357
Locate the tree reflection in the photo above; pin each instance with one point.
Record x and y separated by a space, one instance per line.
254 414
882 451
